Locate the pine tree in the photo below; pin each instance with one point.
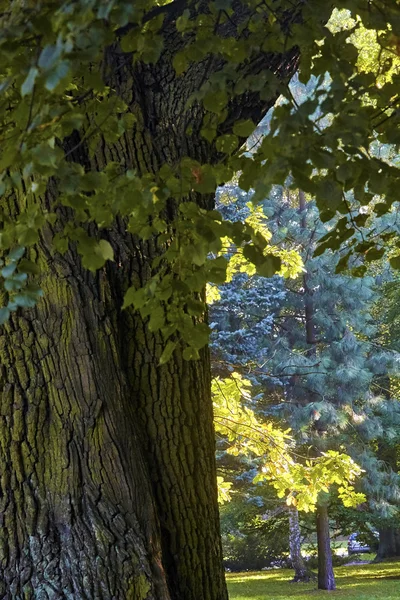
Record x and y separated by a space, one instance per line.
319 363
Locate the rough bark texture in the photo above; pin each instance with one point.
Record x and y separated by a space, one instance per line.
326 578
301 572
77 514
107 472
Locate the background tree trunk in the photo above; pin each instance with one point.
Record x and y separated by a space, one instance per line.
326 578
389 535
389 543
301 572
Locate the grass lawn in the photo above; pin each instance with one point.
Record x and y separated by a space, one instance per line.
361 582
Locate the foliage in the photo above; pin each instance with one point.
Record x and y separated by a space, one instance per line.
305 482
326 142
330 391
58 98
300 482
54 103
251 537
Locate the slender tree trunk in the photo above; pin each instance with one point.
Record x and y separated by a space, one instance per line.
389 543
389 535
301 571
326 578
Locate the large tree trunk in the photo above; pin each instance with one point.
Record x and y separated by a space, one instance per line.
301 571
78 518
107 467
326 578
108 486
108 482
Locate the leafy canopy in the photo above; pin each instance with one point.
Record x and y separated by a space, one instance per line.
57 97
300 481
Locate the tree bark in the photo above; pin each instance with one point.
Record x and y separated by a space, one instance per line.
326 578
108 483
78 518
301 571
175 416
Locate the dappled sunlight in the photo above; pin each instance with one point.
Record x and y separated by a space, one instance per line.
366 582
274 575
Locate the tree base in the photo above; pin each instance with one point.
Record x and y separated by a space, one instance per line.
305 577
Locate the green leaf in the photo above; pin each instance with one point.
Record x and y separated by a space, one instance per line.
167 352
12 284
395 262
227 143
217 270
153 50
183 20
359 271
253 254
195 307
17 253
190 353
60 243
270 266
28 236
215 102
330 194
92 181
25 300
129 42
8 270
157 319
135 297
105 250
49 56
27 266
56 76
374 254
180 63
326 215
198 336
244 128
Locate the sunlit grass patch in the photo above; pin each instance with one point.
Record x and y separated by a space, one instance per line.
359 582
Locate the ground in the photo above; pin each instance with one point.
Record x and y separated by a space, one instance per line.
361 582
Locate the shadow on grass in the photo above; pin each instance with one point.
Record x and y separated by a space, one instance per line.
363 582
